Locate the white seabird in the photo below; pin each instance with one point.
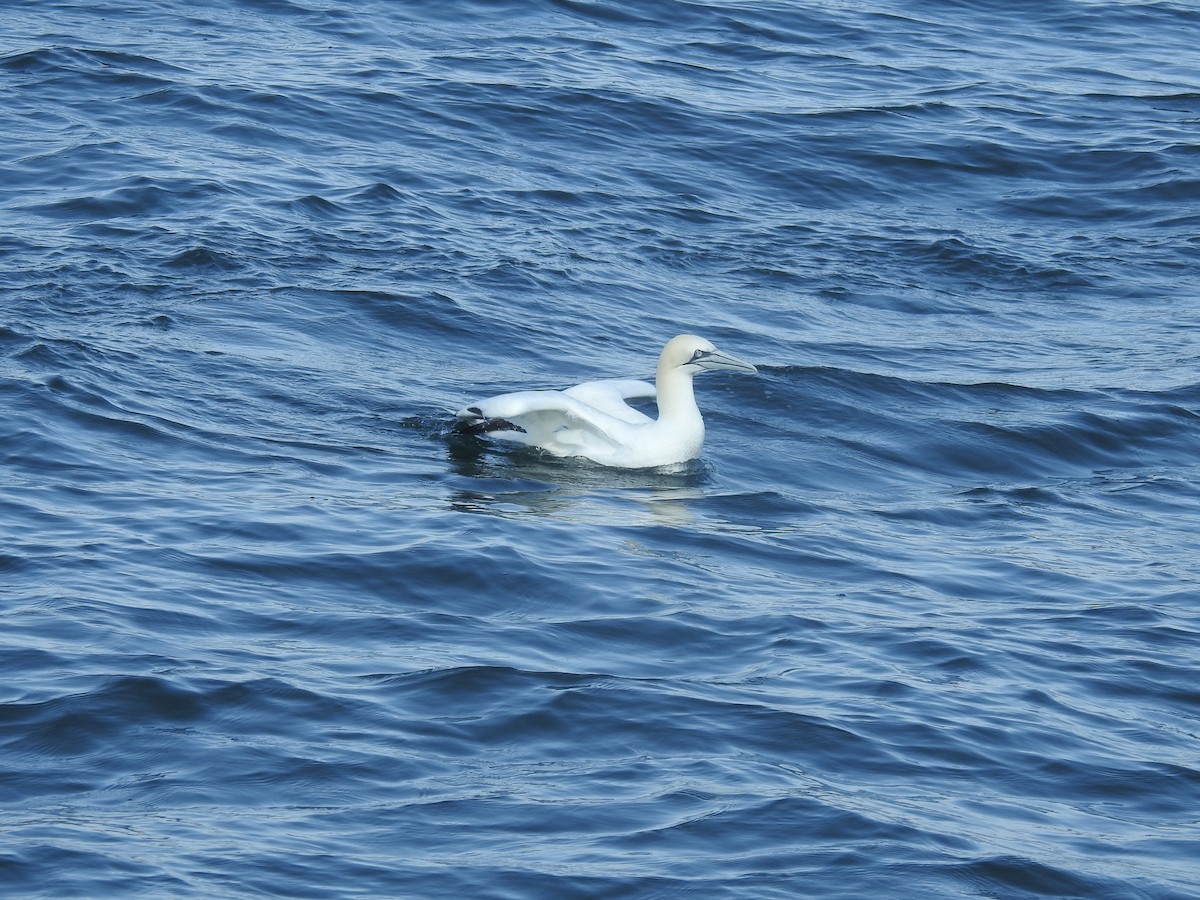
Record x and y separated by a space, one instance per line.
592 420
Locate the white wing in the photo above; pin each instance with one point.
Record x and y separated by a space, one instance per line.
609 396
557 421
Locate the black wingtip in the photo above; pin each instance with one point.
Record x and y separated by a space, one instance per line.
485 426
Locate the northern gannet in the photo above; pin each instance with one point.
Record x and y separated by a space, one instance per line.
592 420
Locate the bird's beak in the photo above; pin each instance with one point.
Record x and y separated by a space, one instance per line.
723 361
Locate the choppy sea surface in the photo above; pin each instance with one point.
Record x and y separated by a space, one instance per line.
924 620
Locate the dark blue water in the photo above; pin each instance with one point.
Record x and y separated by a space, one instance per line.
923 622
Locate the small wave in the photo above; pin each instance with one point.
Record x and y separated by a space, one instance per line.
121 67
203 258
136 197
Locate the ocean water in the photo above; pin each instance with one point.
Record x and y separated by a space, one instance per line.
923 621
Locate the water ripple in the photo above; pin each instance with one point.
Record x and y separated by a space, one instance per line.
921 615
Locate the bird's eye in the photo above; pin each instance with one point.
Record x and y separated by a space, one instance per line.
698 355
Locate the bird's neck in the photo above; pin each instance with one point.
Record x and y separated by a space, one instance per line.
676 399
